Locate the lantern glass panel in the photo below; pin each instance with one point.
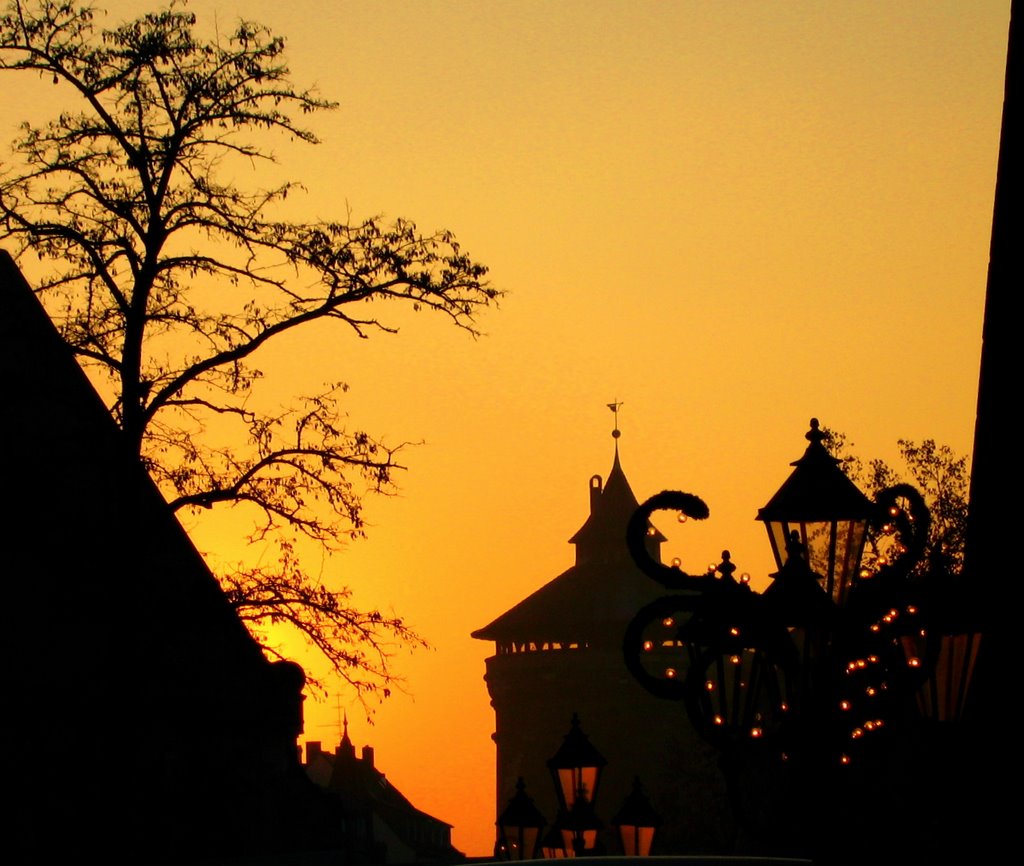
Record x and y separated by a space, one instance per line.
850 546
520 842
573 838
574 780
834 550
744 695
636 841
568 840
553 845
777 532
819 539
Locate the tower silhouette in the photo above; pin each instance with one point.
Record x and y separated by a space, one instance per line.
559 652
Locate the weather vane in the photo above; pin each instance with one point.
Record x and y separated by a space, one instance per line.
616 433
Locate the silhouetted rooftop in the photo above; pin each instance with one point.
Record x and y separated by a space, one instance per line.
594 599
122 659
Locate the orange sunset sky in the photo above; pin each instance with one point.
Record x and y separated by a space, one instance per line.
729 216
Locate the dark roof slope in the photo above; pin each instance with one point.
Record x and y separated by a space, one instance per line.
368 794
139 711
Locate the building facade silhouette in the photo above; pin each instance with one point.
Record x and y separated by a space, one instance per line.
394 830
142 723
559 652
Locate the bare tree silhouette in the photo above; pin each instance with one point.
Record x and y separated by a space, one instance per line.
168 279
943 479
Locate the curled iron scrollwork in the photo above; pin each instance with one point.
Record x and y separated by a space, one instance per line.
686 504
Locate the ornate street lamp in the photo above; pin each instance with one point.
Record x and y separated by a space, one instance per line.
637 822
828 514
576 771
576 767
552 846
580 828
829 663
519 826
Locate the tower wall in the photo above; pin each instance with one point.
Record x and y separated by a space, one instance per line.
534 695
535 691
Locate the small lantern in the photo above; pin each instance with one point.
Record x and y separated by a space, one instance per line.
637 822
552 846
739 685
576 767
519 826
828 514
580 827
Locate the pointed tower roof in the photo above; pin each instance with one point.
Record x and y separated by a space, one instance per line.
594 600
346 746
610 505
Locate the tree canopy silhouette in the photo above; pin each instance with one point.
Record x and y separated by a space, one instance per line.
168 278
943 479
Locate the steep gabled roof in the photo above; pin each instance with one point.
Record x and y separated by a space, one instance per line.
141 713
87 514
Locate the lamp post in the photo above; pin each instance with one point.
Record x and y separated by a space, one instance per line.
822 509
576 772
552 846
637 822
519 826
814 690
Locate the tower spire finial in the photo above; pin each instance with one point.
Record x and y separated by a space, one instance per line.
616 433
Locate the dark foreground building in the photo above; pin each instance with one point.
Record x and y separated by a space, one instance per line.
140 722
